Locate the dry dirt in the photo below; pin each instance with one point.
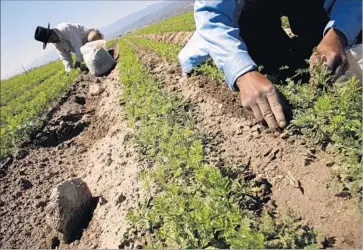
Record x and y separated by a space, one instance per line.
86 136
300 176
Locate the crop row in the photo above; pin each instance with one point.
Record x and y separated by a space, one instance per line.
17 85
23 114
329 115
188 203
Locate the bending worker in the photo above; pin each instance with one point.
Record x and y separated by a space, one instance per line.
67 38
240 35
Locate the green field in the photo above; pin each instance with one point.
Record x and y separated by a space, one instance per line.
26 98
186 201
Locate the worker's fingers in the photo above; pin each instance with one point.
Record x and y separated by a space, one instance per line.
256 111
266 111
276 108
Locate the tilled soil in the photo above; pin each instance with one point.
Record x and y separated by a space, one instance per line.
86 136
300 176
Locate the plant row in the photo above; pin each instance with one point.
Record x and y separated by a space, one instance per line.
23 114
189 203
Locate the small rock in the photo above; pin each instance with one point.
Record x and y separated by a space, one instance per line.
25 184
98 80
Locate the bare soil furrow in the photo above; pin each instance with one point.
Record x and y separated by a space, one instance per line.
86 137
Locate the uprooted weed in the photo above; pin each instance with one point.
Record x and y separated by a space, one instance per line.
191 204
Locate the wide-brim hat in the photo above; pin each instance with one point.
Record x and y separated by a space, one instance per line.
42 34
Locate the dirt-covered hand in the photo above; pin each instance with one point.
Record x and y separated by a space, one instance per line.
259 94
77 65
330 51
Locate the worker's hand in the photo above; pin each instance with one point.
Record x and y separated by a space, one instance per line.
258 94
77 65
330 51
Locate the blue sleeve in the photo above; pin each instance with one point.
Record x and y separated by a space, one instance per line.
346 17
216 23
193 54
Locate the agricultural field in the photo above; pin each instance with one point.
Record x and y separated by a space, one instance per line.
174 161
326 121
26 98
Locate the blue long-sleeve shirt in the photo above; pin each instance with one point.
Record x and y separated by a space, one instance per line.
217 34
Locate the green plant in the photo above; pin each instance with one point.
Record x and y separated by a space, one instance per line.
189 204
330 113
23 113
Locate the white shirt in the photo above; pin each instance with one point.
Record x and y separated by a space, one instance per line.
72 37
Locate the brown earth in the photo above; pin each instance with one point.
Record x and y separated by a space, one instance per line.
300 176
86 136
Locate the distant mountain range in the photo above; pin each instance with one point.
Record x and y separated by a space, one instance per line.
147 16
134 21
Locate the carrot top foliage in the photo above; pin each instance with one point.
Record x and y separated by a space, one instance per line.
189 204
329 116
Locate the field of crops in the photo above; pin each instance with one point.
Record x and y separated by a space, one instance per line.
175 161
26 98
199 206
330 115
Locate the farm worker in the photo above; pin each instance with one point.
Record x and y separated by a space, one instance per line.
67 38
241 35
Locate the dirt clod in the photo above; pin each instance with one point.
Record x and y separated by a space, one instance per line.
68 202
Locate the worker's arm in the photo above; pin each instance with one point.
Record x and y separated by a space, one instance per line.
66 58
346 17
193 54
217 25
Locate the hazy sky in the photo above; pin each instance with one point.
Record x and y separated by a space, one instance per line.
20 18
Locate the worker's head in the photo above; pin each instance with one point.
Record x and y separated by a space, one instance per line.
45 35
94 36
